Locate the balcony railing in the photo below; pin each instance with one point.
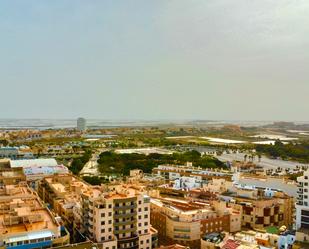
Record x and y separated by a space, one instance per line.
125 207
125 215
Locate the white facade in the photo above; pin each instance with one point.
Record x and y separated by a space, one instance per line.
188 183
302 207
121 220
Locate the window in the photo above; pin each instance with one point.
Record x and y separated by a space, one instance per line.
103 230
109 222
103 215
102 222
110 206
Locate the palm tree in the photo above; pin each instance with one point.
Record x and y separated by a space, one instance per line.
260 157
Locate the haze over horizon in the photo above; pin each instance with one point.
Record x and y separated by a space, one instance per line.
153 60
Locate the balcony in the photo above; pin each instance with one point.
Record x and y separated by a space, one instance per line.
300 197
146 200
128 222
125 207
128 240
125 215
127 230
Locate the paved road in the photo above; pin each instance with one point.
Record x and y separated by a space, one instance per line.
266 163
91 167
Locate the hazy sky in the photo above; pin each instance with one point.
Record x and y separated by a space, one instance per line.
156 59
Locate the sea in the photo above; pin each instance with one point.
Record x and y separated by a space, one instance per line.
43 124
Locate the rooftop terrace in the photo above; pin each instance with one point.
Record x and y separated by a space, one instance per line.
21 212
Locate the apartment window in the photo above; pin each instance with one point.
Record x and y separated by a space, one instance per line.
102 222
109 237
147 240
139 217
146 223
145 230
110 214
142 242
110 229
146 208
103 230
139 210
109 222
110 206
103 215
146 216
139 202
139 224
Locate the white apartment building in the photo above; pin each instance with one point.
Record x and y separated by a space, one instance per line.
119 219
302 208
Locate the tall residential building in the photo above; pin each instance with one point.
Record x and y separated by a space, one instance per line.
116 217
81 124
302 208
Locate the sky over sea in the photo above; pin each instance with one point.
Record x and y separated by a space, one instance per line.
157 59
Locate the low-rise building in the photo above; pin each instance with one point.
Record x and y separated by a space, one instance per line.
36 169
173 172
9 152
261 208
25 222
185 222
248 239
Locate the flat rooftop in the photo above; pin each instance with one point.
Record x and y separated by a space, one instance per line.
182 207
25 163
22 212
